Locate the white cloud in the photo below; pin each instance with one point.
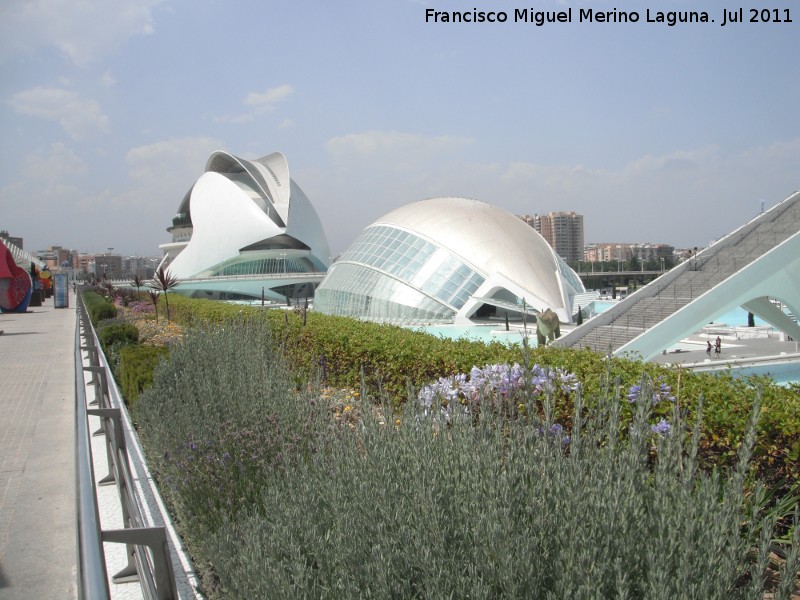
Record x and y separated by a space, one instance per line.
259 103
83 30
173 154
55 164
81 118
107 79
162 172
266 101
685 198
394 145
235 119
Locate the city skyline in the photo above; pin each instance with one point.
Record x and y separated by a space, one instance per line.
668 134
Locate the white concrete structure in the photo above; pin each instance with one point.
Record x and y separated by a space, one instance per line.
776 275
245 226
448 260
753 266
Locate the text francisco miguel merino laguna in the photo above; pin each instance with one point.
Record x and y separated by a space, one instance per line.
590 15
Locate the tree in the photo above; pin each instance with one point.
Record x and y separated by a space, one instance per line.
164 281
138 282
751 320
154 299
580 317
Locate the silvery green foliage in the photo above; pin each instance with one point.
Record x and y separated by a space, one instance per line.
477 504
221 416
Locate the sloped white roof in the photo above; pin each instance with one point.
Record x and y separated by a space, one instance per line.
489 238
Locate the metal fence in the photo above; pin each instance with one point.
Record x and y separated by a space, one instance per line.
147 548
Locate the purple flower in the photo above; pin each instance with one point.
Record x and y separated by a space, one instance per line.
633 393
496 379
661 391
661 428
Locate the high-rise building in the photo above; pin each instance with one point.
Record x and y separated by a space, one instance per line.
562 230
108 265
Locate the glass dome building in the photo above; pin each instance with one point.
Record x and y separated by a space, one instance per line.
448 260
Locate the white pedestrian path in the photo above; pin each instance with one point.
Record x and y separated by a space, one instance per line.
38 538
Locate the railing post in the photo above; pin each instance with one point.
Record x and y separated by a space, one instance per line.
92 574
148 555
154 538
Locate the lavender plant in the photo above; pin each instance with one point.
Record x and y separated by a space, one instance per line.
441 506
221 420
474 491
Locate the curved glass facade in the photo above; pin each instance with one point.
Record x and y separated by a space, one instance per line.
572 278
266 266
389 274
447 260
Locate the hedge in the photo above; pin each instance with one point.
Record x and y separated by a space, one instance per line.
391 361
136 366
99 308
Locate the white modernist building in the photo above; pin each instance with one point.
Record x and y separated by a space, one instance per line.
448 260
244 229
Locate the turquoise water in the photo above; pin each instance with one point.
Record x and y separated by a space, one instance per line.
782 374
475 333
484 333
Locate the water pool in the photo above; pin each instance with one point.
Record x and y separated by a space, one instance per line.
476 333
781 373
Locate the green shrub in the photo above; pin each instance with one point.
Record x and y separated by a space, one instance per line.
113 336
387 359
226 396
135 371
117 334
287 499
99 308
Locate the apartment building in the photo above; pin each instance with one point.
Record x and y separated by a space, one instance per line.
562 230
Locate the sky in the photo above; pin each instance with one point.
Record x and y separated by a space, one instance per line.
655 133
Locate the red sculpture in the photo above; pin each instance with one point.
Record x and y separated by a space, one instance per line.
15 284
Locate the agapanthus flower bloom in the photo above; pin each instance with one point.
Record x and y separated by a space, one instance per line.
662 427
661 391
496 379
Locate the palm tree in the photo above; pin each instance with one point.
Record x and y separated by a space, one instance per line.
138 282
154 299
164 281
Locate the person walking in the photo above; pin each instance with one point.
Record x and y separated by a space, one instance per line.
717 346
708 347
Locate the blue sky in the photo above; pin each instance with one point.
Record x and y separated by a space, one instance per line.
109 109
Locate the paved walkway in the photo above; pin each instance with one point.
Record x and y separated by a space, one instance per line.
741 351
37 470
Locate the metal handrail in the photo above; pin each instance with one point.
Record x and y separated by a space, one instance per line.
148 552
92 573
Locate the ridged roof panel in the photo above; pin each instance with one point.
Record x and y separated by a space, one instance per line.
485 236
